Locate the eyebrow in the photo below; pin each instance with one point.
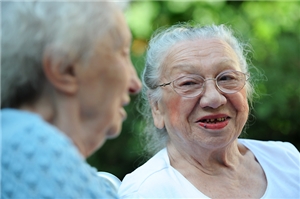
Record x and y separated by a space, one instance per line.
191 68
226 61
183 68
218 63
120 40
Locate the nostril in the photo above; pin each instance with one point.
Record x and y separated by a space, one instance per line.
135 86
132 91
212 97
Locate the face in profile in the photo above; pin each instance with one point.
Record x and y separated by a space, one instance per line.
106 83
211 119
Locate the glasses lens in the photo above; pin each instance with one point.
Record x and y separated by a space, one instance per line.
231 81
188 86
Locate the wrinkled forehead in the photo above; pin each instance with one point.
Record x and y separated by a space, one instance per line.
118 36
201 52
121 28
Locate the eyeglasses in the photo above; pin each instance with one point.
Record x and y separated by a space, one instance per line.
189 86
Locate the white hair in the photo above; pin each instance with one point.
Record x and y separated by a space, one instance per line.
29 27
160 44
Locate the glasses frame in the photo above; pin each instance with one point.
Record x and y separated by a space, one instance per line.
171 83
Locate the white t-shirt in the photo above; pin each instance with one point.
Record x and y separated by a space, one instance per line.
158 179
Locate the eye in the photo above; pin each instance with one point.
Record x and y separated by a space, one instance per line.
227 77
187 82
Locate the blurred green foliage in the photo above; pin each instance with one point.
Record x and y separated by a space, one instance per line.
273 30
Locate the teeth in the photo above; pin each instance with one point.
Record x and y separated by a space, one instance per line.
215 120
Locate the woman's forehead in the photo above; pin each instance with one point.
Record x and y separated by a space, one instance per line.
189 55
201 48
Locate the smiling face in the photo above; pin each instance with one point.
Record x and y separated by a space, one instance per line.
105 84
211 120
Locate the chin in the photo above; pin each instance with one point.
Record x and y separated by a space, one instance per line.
113 133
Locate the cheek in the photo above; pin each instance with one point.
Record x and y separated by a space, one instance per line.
240 104
244 102
173 109
178 109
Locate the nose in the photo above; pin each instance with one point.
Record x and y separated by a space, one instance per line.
211 97
135 83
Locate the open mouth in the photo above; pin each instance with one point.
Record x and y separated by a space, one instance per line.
214 123
214 120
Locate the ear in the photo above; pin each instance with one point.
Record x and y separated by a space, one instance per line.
59 71
157 115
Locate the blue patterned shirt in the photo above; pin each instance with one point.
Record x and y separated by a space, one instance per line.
39 161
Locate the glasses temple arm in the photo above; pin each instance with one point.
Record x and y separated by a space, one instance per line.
163 85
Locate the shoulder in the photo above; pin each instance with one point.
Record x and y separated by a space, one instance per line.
146 177
270 145
275 150
280 162
37 156
33 139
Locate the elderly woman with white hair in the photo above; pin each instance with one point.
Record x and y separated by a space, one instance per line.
197 89
66 77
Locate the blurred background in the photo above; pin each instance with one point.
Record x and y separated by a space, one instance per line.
272 28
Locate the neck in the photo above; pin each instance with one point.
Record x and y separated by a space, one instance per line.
211 162
67 119
62 112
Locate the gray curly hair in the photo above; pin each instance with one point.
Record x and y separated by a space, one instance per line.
27 29
161 42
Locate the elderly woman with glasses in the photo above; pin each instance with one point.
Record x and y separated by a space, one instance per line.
198 90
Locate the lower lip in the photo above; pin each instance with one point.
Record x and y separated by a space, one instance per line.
218 125
123 114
